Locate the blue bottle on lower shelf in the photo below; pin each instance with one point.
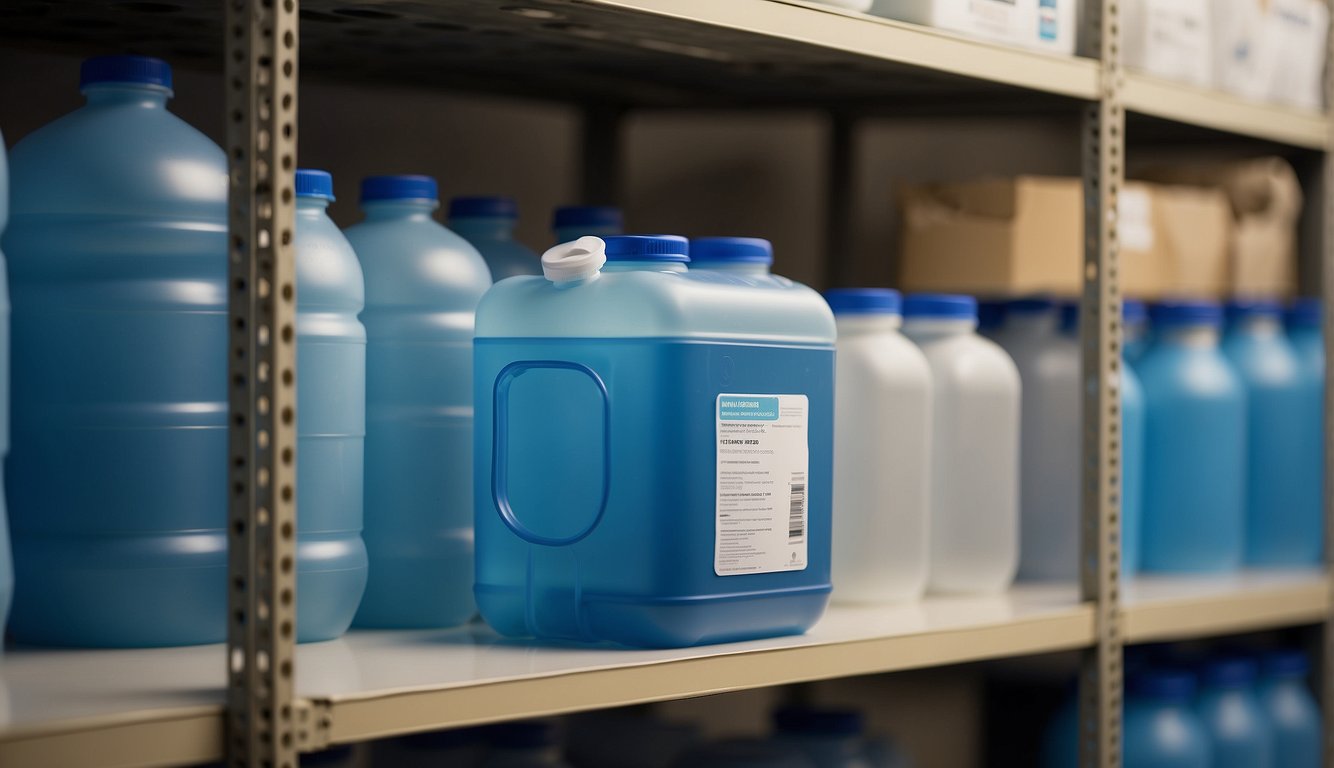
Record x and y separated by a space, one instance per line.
830 738
1282 527
1161 730
331 417
6 561
423 283
1308 343
1194 510
1238 730
1294 717
488 223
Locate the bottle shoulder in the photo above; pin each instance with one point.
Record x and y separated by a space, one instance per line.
419 262
328 275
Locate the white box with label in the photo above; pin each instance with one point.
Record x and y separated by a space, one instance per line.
1048 25
1171 39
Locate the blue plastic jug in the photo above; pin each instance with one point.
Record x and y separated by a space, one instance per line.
831 738
1227 707
1279 529
742 256
488 223
117 249
330 416
6 559
1308 343
1293 715
1135 329
423 283
1160 728
571 222
653 450
1195 445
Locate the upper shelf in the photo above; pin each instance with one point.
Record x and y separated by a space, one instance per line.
1185 607
1191 106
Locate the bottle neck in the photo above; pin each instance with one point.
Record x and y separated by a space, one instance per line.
733 268
855 325
120 94
490 228
311 206
939 326
383 210
1260 325
644 266
1190 335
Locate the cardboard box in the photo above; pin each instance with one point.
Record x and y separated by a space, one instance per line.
1048 25
1172 39
1265 199
1024 236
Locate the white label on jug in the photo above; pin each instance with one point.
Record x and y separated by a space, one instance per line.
761 521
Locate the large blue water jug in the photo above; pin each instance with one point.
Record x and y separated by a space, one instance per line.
6 561
1308 343
117 252
749 257
1279 529
488 223
423 283
1294 717
330 416
831 738
1160 729
1238 730
1195 445
571 222
653 450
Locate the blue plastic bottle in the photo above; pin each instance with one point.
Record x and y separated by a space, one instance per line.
830 738
1308 343
571 222
117 249
1160 728
1195 445
748 257
589 530
526 744
6 559
1280 530
1294 717
1133 426
488 223
423 283
331 416
1227 707
1135 329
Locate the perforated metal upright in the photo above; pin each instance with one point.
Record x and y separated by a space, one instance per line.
1100 688
1327 320
261 52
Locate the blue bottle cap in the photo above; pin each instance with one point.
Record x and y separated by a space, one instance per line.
1164 683
144 70
1068 316
864 301
668 248
1286 663
1304 313
523 734
734 250
1187 312
1030 305
483 208
991 314
945 306
1229 672
821 722
400 187
1134 312
314 183
586 216
1241 309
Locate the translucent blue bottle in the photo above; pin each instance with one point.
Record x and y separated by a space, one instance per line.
1135 329
423 283
748 257
830 738
1160 728
1195 445
572 222
1238 730
488 223
580 530
1308 343
331 416
1294 717
6 559
1279 529
117 248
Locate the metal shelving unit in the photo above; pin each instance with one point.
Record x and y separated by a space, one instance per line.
262 701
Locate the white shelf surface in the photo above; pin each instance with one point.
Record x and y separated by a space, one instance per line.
1160 608
1219 111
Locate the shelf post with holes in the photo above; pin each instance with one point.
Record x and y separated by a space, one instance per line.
261 60
1326 293
1100 689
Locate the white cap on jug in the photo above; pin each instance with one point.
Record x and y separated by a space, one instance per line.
577 260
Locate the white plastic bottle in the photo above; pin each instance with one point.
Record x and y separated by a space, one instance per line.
974 529
882 434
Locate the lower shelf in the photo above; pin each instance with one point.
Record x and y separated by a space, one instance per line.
165 706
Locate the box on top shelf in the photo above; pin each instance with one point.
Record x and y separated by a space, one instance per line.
1172 39
1271 50
1048 25
1024 235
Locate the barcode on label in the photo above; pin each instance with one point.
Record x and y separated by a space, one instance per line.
796 515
